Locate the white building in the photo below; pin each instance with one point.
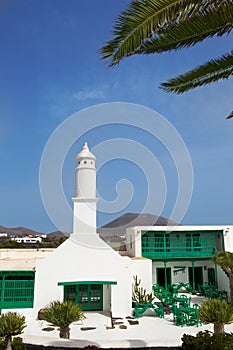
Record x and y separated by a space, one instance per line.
3 234
26 239
87 271
84 268
182 253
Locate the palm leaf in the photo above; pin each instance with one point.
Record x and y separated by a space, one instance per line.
188 33
230 115
224 259
214 70
62 314
11 323
143 19
216 311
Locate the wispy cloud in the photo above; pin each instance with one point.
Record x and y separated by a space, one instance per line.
64 103
90 94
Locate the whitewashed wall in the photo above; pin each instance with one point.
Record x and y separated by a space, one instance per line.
89 259
142 268
228 238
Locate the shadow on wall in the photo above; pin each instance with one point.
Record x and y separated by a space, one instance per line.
72 344
133 345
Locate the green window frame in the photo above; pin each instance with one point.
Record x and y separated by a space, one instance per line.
87 296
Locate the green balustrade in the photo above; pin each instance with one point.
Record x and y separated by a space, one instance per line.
182 245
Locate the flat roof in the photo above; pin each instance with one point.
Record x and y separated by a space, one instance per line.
21 259
182 228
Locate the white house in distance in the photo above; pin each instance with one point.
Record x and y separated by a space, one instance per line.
87 271
26 239
3 234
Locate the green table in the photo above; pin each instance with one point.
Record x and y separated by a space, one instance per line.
209 290
185 301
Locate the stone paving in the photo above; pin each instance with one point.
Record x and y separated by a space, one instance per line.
151 331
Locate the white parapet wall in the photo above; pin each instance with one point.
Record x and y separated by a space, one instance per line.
133 241
228 238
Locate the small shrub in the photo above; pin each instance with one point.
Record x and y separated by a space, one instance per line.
17 344
62 314
207 341
216 311
2 344
11 324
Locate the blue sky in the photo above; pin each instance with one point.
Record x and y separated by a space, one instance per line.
50 69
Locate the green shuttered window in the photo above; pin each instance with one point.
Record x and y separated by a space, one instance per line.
16 289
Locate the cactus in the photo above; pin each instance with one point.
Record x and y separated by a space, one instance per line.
139 294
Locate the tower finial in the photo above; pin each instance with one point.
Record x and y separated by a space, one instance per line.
85 153
85 146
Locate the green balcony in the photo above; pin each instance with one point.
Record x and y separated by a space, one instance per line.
176 246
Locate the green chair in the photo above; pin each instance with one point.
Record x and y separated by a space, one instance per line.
188 287
223 295
212 293
141 308
158 309
158 291
201 290
157 288
180 319
193 319
175 287
174 311
167 298
185 301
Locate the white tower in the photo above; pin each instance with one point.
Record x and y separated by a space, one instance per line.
84 220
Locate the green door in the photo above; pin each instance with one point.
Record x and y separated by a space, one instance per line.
164 276
87 296
211 276
195 276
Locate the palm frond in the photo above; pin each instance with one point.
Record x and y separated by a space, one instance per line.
216 311
230 115
143 19
223 259
62 314
11 323
214 70
188 33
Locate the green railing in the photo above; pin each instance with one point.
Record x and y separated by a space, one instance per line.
177 246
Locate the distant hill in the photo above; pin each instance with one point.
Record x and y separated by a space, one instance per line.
118 226
24 231
57 234
19 231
